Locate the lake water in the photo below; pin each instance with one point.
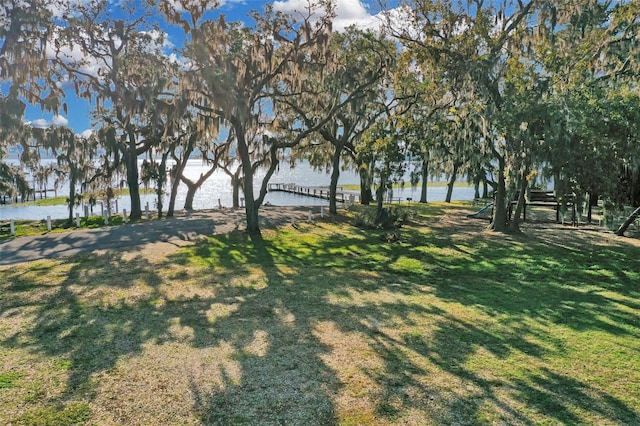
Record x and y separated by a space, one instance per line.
218 187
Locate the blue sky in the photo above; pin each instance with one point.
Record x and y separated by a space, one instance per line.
359 12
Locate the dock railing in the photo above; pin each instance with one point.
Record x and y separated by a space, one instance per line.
322 192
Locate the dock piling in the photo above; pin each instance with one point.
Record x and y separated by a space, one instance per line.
316 192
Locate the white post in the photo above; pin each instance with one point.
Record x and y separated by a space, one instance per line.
146 211
124 215
49 223
78 219
12 226
322 212
106 218
310 215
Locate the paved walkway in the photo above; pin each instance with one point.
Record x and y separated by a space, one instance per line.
132 236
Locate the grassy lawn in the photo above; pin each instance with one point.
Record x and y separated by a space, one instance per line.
431 184
49 201
39 227
62 199
325 323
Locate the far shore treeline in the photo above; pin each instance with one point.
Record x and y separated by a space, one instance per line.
510 94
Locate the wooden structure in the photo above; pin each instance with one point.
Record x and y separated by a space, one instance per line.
314 191
541 198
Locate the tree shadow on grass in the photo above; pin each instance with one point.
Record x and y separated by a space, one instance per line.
286 312
531 283
294 380
541 287
283 380
68 326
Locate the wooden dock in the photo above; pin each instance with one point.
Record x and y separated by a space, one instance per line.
315 191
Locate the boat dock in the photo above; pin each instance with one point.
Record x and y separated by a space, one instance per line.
342 196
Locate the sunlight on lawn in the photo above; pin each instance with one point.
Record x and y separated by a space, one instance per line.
328 324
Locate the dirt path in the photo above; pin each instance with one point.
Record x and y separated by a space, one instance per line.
168 233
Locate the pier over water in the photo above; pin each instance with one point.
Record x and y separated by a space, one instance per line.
322 192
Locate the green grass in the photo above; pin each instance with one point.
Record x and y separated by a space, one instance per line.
327 324
439 184
70 414
62 199
8 380
39 227
49 201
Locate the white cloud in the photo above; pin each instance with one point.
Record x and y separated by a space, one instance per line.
73 54
59 121
41 123
63 7
87 133
181 5
348 12
401 19
159 39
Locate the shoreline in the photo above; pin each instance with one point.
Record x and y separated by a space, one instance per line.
183 228
21 212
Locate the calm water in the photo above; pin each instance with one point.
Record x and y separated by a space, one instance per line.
218 187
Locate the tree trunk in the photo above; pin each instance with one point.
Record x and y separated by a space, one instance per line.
191 193
514 224
379 199
335 175
452 181
365 188
250 205
424 179
192 186
72 197
162 179
632 218
499 220
132 178
177 172
235 185
253 219
635 187
590 206
485 188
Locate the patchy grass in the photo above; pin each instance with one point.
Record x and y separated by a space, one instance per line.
431 184
39 227
62 199
49 201
325 323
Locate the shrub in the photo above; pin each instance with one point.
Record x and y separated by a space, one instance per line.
388 217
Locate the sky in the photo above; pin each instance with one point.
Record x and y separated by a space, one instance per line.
349 12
